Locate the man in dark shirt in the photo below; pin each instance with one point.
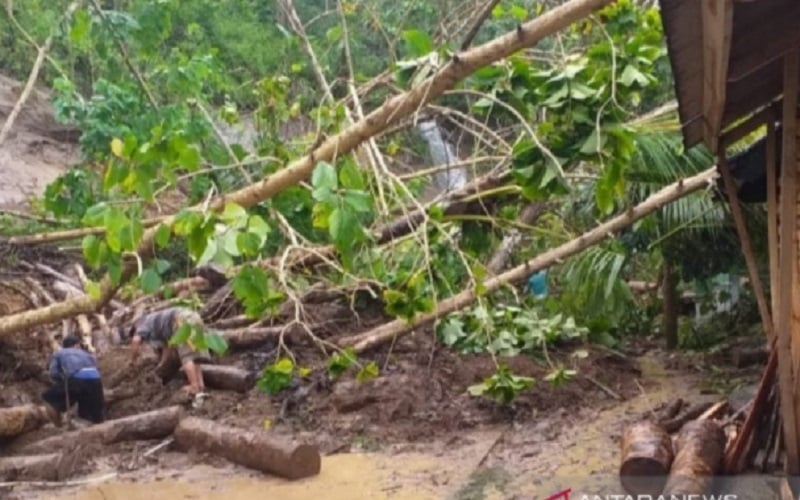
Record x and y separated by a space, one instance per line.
76 380
157 328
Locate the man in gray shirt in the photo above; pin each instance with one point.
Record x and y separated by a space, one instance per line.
75 380
157 328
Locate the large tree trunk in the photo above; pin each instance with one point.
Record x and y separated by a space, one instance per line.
154 424
393 329
49 467
701 445
646 458
230 378
254 449
671 306
393 110
18 420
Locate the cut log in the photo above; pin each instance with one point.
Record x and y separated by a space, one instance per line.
155 424
250 337
230 378
18 420
390 331
693 412
700 448
254 449
646 459
49 467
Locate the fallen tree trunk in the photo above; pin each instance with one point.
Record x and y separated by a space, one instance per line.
249 337
49 467
700 446
646 459
67 234
18 420
230 378
391 111
154 424
389 331
254 449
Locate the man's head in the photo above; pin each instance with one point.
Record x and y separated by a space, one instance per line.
71 340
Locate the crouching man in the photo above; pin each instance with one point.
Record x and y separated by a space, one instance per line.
75 380
156 329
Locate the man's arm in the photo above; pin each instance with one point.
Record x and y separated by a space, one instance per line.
136 342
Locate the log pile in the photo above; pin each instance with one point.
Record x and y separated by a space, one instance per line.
708 439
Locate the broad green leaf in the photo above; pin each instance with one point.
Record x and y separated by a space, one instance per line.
150 281
162 236
360 201
256 225
248 244
91 245
417 43
116 147
216 343
182 335
234 214
80 27
631 75
324 177
351 177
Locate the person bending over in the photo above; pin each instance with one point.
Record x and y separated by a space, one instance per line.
75 380
157 328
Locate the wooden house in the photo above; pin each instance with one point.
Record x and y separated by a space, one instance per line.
736 65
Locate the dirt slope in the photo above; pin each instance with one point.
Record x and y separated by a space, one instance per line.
37 150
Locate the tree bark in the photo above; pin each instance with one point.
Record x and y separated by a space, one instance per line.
389 331
154 424
671 306
18 420
459 67
700 446
254 449
49 467
230 378
646 458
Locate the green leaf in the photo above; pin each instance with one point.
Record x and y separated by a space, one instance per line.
80 27
277 376
369 372
182 335
324 177
417 43
340 362
631 75
257 226
150 281
93 289
216 343
162 236
360 201
234 215
92 250
248 244
350 176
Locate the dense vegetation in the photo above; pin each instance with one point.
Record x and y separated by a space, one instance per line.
580 121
